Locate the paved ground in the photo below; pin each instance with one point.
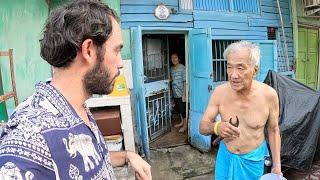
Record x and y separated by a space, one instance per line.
186 162
181 162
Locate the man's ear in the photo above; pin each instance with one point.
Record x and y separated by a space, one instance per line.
88 51
255 70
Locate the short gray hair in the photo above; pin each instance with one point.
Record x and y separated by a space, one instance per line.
253 48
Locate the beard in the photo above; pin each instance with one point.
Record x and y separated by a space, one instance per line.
98 79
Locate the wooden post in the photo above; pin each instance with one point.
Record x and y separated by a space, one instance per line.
11 94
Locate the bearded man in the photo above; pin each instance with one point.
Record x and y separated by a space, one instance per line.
53 135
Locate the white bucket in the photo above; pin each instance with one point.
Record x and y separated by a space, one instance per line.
272 176
114 143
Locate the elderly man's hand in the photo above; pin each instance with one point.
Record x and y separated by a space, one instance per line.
228 131
277 170
141 167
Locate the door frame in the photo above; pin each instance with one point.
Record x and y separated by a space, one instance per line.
318 59
156 30
180 31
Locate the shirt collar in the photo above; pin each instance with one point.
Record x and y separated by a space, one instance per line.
46 90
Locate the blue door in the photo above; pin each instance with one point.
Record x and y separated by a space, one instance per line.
200 60
268 59
139 95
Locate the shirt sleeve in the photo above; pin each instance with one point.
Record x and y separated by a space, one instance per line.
23 155
12 167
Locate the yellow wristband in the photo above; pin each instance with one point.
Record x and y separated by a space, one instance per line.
215 129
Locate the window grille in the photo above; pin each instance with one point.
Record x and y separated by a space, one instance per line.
219 64
242 6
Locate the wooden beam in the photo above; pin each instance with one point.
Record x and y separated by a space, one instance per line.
6 96
313 11
4 53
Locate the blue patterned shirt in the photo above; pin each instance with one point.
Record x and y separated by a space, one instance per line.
178 75
46 139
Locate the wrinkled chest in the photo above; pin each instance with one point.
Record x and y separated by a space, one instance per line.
250 116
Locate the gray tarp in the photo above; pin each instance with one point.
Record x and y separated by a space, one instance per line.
299 121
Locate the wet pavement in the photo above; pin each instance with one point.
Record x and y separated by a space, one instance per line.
185 162
182 162
176 163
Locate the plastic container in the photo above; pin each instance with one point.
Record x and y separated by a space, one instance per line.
120 87
114 142
272 176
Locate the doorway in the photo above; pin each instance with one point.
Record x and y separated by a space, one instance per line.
161 113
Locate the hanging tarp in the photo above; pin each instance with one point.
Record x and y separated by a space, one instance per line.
299 120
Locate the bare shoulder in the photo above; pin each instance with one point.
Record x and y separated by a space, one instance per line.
218 93
268 91
221 89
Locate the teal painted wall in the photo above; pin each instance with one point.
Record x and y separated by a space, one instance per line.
114 4
55 3
21 23
125 52
3 112
225 25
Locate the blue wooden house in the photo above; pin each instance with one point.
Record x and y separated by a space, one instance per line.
199 31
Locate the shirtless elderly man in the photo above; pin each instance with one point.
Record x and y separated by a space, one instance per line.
243 150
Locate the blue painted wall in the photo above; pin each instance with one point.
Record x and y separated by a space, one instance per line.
225 22
141 12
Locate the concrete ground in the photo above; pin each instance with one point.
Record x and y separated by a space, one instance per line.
172 158
185 162
181 162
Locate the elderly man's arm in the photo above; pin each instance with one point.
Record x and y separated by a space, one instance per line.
142 168
207 123
274 133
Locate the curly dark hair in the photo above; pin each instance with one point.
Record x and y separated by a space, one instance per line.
69 25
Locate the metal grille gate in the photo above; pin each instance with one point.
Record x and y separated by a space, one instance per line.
156 80
158 114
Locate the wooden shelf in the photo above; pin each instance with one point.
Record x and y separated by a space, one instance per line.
126 114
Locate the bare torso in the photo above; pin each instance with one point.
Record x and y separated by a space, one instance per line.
252 111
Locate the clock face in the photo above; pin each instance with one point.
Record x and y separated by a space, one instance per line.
162 12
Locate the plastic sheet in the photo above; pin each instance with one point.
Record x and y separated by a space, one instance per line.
299 121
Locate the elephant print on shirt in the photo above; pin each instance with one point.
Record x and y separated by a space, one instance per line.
83 144
10 171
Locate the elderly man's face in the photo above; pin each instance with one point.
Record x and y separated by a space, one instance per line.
240 70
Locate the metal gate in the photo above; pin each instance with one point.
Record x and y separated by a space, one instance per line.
156 84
